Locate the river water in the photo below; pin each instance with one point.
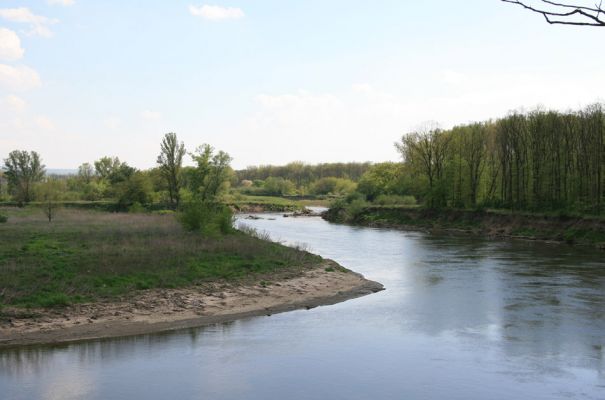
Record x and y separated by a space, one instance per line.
461 318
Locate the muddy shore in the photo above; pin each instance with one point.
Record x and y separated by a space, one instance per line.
161 310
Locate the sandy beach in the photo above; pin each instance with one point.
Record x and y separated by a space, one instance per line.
160 310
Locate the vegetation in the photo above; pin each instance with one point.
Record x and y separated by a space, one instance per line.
23 170
537 161
89 255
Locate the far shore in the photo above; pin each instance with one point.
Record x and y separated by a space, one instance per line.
160 310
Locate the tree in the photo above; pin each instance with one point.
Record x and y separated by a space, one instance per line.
428 148
474 142
105 166
566 13
23 170
170 161
135 189
211 173
85 173
49 193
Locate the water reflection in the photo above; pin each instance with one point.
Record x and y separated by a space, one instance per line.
461 318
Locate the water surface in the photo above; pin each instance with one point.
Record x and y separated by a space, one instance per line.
462 318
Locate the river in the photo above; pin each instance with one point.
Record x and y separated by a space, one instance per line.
461 318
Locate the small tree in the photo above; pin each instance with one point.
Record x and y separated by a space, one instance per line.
23 170
206 181
170 161
85 173
49 193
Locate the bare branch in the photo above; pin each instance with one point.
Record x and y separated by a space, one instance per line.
579 15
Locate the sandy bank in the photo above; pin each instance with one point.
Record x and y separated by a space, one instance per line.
171 309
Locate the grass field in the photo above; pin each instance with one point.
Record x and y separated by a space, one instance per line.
90 255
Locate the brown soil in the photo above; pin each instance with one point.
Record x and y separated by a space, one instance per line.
170 309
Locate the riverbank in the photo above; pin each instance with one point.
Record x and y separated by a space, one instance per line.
494 224
160 310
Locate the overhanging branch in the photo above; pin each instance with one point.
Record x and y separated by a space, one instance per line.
567 14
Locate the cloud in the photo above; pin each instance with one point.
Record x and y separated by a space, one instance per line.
216 13
64 3
18 78
39 25
10 45
150 115
15 103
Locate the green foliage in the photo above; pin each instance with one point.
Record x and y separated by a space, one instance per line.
136 207
206 218
135 189
49 194
170 163
333 186
278 187
23 170
3 219
391 200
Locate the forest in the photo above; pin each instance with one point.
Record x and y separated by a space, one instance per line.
526 161
541 160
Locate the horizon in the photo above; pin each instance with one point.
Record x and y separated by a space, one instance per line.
275 82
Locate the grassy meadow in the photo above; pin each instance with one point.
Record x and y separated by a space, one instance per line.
86 255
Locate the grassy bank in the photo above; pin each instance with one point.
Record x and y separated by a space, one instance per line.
492 223
89 255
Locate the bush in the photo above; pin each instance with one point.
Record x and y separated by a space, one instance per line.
136 207
207 218
391 200
3 219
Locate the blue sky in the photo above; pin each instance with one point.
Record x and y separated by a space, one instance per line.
272 81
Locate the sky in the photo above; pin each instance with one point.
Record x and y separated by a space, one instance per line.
274 81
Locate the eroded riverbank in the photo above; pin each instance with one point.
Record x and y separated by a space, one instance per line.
171 309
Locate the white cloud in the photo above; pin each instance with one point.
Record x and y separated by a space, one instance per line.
18 78
10 45
151 115
61 2
39 25
15 103
216 13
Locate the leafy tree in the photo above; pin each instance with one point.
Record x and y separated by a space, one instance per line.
211 174
85 173
105 166
135 189
335 186
50 193
170 163
278 186
23 170
428 150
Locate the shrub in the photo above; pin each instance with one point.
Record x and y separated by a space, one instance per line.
207 218
136 207
3 219
389 200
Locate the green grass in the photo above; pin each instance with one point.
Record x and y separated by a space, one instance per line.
89 255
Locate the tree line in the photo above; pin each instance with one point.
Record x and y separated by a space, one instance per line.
193 190
538 160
